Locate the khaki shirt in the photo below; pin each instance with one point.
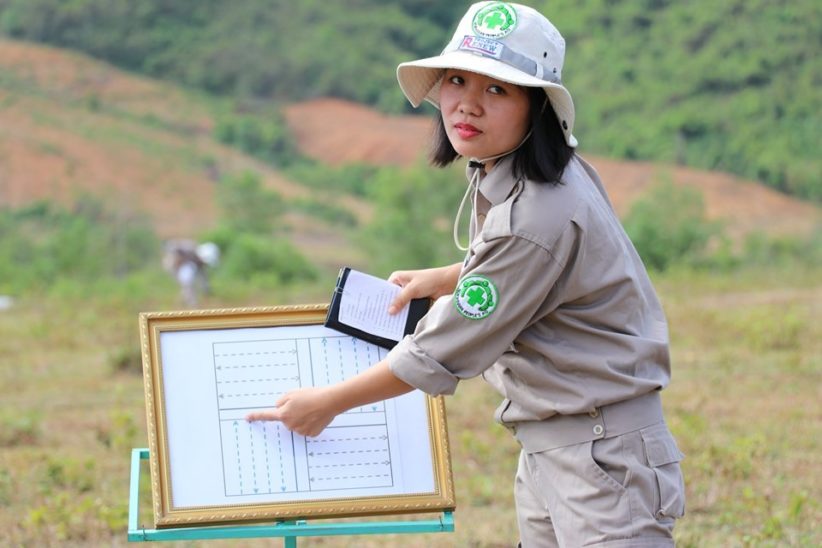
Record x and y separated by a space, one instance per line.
576 324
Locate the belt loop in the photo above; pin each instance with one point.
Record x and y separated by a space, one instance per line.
599 428
606 421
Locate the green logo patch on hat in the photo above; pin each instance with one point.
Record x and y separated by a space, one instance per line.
476 297
495 21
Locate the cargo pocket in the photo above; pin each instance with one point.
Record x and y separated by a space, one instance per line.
663 457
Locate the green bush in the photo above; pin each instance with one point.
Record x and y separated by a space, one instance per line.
20 427
325 210
247 236
250 256
349 178
247 206
413 219
261 132
668 226
43 244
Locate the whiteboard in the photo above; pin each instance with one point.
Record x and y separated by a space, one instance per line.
205 371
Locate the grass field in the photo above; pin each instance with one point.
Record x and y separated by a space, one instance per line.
744 405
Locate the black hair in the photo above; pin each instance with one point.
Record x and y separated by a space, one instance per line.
542 157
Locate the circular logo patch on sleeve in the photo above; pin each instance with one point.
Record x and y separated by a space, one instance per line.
476 297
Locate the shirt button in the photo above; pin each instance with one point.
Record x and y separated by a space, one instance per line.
598 429
593 414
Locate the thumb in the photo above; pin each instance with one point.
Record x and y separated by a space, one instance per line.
402 299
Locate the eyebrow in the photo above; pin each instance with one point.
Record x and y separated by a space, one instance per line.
496 81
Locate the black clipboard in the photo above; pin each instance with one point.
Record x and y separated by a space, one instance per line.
418 309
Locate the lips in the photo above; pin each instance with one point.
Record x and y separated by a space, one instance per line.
466 131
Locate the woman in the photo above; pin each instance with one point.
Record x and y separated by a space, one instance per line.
552 305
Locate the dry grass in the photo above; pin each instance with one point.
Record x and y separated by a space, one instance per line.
743 404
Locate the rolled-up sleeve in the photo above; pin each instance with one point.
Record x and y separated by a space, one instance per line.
412 365
449 345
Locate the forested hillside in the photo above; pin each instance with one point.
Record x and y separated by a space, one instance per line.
731 85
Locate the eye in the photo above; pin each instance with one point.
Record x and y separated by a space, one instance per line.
456 79
496 90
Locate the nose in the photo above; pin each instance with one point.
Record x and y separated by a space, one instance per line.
469 102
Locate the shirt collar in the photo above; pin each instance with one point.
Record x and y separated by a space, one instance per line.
497 185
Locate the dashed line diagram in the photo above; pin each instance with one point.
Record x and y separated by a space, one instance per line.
264 457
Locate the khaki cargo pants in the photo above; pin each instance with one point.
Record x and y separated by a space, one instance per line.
620 491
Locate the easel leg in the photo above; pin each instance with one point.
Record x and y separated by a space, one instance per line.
289 542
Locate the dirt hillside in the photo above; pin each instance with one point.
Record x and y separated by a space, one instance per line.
337 132
71 125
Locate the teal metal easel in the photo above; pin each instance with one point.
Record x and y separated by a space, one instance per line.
288 530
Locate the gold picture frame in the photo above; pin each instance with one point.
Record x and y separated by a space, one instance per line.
204 369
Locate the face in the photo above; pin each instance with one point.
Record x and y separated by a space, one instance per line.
483 116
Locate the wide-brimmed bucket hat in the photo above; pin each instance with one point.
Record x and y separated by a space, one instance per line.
509 42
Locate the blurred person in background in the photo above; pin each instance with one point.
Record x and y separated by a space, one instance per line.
188 262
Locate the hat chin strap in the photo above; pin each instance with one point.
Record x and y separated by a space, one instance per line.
474 184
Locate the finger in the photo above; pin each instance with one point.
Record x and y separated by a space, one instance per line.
399 277
267 415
